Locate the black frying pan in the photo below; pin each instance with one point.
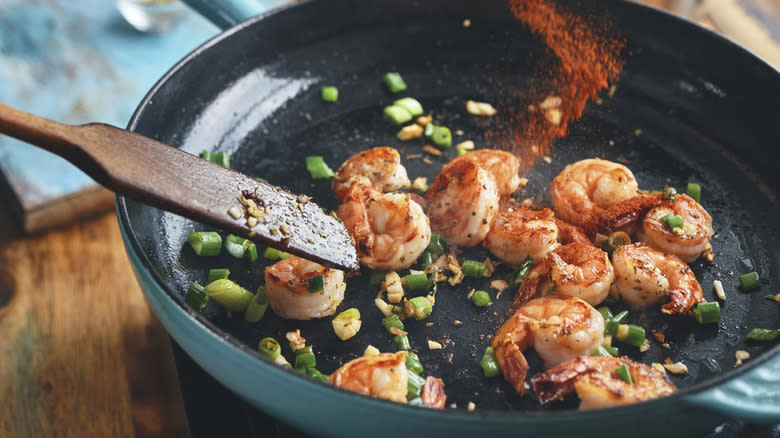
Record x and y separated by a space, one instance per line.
704 106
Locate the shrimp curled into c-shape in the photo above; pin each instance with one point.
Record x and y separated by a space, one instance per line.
645 276
287 287
379 167
597 384
558 328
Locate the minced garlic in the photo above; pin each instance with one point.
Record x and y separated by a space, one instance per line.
480 108
433 345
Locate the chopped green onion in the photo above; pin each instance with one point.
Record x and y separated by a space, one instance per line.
330 93
402 342
417 281
418 308
217 274
304 359
707 313
762 335
417 401
605 312
275 254
425 259
773 297
397 310
436 245
441 137
376 277
317 283
489 363
315 373
257 306
694 191
670 193
462 151
229 295
269 348
395 83
523 270
410 104
392 321
603 350
413 363
630 334
205 243
316 166
624 374
611 325
428 130
749 281
473 268
196 297
352 312
397 114
414 385
672 221
239 247
480 298
220 158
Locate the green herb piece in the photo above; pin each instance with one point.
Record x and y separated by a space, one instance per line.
489 363
317 283
196 296
402 342
217 274
473 268
749 281
624 374
330 93
418 282
205 243
522 271
229 295
441 137
275 254
706 313
397 114
672 221
694 191
257 306
392 321
480 298
414 107
414 385
413 363
220 158
630 334
269 348
239 247
304 359
316 166
762 335
394 82
418 308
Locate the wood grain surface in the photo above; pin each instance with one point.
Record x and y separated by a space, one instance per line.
81 354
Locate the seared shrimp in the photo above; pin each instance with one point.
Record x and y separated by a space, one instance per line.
520 232
462 202
504 166
390 230
379 168
383 375
558 328
576 269
597 385
588 184
287 286
686 242
645 276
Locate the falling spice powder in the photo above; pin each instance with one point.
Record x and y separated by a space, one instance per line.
587 57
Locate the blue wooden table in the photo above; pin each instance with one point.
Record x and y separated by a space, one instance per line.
75 62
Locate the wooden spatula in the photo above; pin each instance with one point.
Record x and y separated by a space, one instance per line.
160 175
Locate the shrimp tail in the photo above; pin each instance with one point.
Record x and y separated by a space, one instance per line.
681 302
558 381
623 216
513 365
432 394
530 288
568 233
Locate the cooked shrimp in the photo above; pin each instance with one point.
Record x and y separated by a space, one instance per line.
383 375
379 168
589 184
520 232
686 242
432 394
462 202
287 286
558 328
390 230
504 166
576 269
597 385
645 276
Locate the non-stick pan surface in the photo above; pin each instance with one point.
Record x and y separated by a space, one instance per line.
689 106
